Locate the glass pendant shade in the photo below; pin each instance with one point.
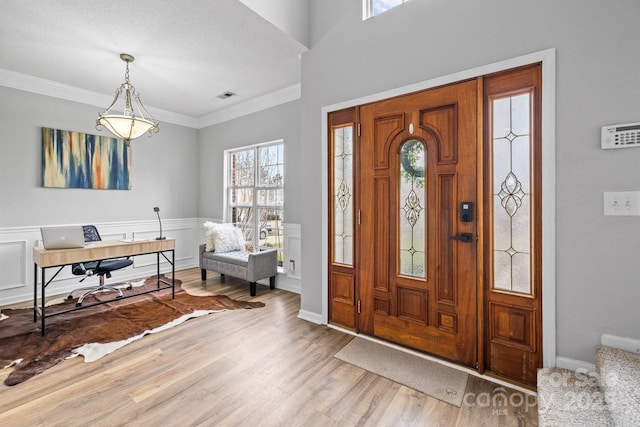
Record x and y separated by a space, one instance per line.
126 117
126 127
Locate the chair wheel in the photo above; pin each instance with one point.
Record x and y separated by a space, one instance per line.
129 287
70 297
78 304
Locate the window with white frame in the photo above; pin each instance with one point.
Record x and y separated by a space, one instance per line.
255 194
376 7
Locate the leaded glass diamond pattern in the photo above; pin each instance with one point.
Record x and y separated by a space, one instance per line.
412 208
511 175
343 194
511 194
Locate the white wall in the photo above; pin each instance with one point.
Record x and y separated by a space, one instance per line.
173 170
281 122
597 83
291 16
162 175
180 169
162 171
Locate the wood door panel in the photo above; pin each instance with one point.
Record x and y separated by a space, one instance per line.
448 322
441 122
513 363
381 253
412 305
342 291
512 326
434 307
342 270
513 329
381 306
343 288
411 334
446 290
386 128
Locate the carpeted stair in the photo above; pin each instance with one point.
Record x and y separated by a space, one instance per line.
611 398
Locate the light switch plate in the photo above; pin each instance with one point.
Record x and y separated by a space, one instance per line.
622 203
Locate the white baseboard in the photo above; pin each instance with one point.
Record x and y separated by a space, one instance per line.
575 365
623 343
310 316
628 344
287 283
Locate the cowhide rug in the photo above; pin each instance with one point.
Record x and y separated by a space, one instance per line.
85 331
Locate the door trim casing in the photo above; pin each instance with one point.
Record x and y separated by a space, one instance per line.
548 59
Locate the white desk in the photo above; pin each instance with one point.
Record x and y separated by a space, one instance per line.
94 251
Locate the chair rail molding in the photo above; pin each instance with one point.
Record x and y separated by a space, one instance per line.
16 254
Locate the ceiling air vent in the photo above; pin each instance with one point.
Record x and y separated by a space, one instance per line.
226 95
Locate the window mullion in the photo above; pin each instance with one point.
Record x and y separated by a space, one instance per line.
256 204
256 220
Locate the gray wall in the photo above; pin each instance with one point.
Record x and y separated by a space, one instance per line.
281 122
180 169
598 83
162 171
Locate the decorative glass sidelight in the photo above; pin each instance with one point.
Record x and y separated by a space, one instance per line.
512 193
412 209
343 194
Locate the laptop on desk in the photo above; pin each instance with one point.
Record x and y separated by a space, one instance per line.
65 237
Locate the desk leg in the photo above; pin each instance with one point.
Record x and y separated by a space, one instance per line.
173 274
158 268
42 300
35 292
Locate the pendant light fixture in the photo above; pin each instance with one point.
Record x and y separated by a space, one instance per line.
127 119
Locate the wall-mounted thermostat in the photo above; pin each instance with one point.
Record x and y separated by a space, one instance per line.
621 136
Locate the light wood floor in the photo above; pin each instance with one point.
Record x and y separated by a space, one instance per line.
261 367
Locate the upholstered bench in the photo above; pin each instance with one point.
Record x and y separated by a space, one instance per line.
249 266
225 253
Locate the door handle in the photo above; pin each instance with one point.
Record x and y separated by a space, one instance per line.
463 237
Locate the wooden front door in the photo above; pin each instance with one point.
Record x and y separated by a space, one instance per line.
417 246
407 263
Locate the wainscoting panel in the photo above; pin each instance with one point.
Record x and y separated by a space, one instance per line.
16 256
16 260
183 252
13 264
292 250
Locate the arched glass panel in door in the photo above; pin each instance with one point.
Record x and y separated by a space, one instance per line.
412 209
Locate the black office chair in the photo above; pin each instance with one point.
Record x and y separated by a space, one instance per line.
100 268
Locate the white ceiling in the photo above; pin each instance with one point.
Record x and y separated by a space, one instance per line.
187 53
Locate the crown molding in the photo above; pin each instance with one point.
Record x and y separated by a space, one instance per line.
41 86
28 83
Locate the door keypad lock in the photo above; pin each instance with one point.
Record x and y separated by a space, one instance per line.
466 215
466 212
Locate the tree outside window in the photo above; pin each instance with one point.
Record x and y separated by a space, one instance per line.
255 194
